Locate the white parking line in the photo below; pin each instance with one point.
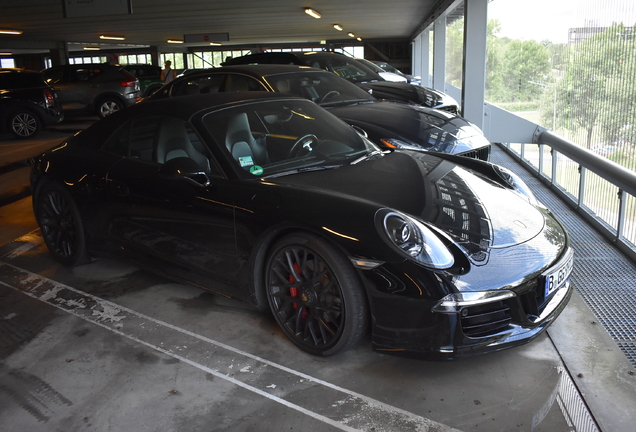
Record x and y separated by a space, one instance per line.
336 406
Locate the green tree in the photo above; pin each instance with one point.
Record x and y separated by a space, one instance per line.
455 52
524 63
597 91
495 48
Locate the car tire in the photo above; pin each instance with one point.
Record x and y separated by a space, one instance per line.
315 295
108 106
61 224
24 124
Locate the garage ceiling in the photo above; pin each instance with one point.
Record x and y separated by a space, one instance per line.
153 22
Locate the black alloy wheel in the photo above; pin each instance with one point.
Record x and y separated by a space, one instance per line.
24 124
315 295
61 224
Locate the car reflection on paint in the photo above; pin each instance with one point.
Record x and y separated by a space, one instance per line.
272 200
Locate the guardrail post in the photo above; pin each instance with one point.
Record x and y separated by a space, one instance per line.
582 171
555 157
622 200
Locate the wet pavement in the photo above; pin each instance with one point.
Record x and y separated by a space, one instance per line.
109 347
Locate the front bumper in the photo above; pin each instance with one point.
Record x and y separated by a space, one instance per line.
464 325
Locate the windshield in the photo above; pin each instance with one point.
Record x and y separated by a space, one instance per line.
324 88
276 137
346 67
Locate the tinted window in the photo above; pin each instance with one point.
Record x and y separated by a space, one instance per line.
135 139
10 81
242 83
324 88
143 71
158 139
349 69
53 76
274 137
84 74
196 85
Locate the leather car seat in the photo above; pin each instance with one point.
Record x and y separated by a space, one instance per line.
238 134
172 141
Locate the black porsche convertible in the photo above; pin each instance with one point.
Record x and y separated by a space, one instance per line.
270 199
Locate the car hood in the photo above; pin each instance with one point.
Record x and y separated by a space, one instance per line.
425 128
406 92
471 209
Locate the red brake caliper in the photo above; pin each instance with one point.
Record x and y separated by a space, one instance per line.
293 291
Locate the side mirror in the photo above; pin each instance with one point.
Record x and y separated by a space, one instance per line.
186 169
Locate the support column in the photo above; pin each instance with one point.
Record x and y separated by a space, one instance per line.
59 54
416 56
439 54
474 67
154 56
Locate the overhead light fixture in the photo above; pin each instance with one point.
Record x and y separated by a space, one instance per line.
313 13
351 35
338 27
5 53
174 41
91 48
112 37
215 44
11 32
359 39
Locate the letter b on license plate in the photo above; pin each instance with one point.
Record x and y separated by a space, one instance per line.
557 275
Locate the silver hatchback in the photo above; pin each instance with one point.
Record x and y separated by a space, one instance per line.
93 88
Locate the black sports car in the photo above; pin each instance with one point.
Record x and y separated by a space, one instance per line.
271 199
359 73
393 125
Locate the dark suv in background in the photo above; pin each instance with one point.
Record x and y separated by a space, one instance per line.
149 77
93 88
27 103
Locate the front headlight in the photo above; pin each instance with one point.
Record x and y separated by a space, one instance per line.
515 182
413 239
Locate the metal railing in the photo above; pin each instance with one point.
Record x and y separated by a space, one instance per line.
600 190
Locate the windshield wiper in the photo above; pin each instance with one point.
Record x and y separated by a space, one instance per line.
368 156
302 170
347 102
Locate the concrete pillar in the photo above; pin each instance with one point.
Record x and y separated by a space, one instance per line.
474 66
439 54
154 56
59 54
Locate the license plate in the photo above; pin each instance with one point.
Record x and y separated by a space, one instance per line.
557 275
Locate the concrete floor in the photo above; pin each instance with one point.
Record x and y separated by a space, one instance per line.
109 347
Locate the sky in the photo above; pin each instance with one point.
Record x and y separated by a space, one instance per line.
551 19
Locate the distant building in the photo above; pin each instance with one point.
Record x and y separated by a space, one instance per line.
579 34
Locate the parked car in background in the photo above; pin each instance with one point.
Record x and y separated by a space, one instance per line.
393 76
388 124
416 80
358 73
27 103
99 89
270 199
149 77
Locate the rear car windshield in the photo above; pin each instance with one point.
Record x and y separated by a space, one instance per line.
11 81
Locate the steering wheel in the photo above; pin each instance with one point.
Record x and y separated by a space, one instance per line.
304 142
329 94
